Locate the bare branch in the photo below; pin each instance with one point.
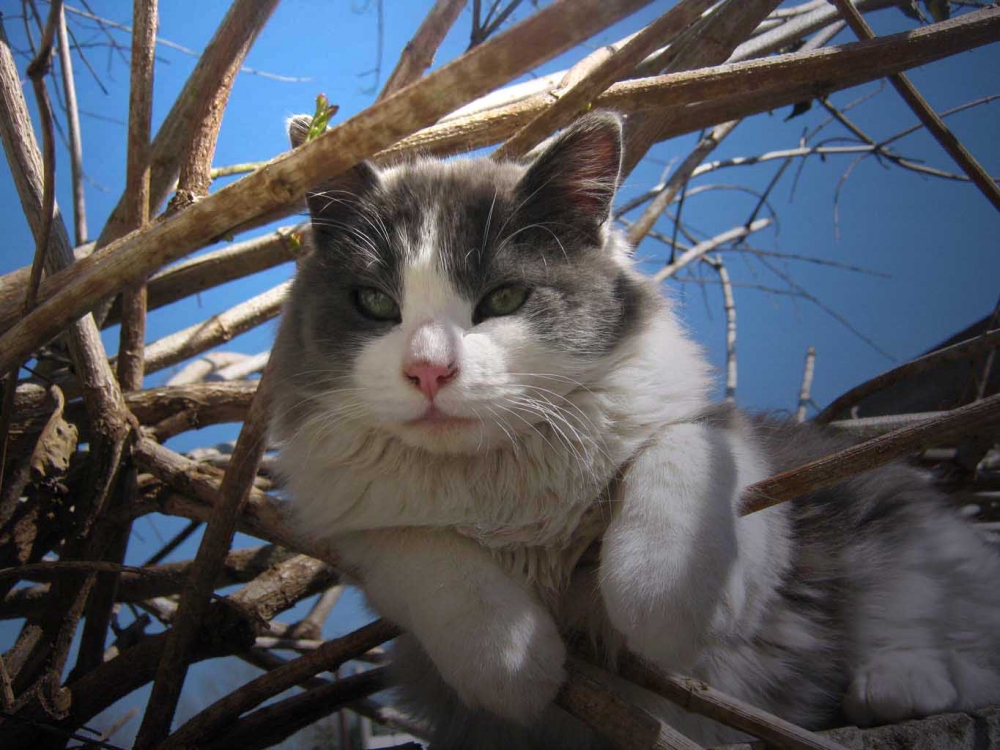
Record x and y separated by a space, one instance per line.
418 55
709 41
702 248
805 392
326 658
75 142
678 179
589 78
988 341
768 83
587 695
966 420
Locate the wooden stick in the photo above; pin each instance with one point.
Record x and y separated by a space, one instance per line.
697 697
709 41
967 349
326 658
805 392
589 78
75 141
871 454
418 54
942 134
219 328
270 725
220 266
699 250
587 695
97 615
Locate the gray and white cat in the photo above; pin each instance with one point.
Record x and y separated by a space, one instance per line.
468 362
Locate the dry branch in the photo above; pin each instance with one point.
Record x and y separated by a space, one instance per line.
587 695
229 46
988 341
326 658
697 697
680 177
972 419
73 125
709 41
702 248
269 725
589 78
216 330
418 54
241 566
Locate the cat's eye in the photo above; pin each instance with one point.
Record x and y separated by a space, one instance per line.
504 300
376 304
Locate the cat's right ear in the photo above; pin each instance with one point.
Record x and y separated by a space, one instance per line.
334 202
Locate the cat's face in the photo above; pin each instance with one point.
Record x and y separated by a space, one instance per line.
455 305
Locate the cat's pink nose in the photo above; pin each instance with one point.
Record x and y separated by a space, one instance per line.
429 377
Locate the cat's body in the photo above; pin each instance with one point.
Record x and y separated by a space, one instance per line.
468 364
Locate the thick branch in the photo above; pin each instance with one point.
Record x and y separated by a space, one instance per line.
589 78
419 52
962 350
326 658
829 470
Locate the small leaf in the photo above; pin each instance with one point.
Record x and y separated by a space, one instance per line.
321 117
940 10
800 108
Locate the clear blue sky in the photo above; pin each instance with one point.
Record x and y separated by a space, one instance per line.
936 239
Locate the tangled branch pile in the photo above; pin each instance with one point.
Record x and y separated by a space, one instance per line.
83 443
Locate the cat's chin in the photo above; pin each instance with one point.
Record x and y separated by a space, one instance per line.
437 432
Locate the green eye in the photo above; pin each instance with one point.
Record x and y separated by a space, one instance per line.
375 304
502 301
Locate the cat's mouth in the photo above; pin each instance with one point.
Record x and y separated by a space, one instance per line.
436 419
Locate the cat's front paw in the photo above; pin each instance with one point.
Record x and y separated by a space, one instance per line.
900 685
510 662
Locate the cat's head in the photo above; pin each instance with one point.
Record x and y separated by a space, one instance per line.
456 304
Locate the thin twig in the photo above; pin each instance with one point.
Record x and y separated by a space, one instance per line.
326 658
418 54
805 391
75 142
702 248
678 180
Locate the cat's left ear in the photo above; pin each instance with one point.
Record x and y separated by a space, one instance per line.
573 181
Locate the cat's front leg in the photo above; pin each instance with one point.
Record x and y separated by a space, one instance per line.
679 570
487 634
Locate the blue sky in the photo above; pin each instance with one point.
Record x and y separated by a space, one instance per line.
935 239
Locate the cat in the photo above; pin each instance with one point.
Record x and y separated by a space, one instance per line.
468 363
